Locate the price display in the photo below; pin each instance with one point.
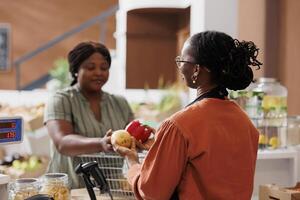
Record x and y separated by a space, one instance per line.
11 130
7 135
7 125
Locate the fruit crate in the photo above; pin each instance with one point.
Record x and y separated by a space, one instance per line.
114 168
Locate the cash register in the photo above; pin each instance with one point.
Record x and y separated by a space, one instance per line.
11 132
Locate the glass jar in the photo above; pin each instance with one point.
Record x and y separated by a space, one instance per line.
254 99
56 186
293 130
274 100
248 100
271 113
23 188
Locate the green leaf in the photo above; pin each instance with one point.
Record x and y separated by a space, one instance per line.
60 72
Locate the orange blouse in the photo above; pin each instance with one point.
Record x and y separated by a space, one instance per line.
206 151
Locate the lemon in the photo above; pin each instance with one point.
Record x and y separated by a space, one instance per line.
262 139
274 142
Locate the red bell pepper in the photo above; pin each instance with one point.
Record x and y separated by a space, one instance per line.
139 131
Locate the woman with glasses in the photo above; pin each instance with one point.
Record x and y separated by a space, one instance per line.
207 150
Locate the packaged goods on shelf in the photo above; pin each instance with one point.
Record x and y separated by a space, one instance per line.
56 186
23 188
271 191
293 130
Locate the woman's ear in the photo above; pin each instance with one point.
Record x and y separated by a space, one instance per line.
196 69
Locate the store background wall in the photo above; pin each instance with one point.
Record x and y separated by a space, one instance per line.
251 25
289 52
274 26
34 23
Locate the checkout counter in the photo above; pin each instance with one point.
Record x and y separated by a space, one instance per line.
97 186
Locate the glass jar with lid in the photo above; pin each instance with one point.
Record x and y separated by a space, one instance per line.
23 188
56 185
274 101
271 115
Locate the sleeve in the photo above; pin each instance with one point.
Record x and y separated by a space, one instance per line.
58 107
161 171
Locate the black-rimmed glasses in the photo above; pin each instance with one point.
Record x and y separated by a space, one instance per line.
180 62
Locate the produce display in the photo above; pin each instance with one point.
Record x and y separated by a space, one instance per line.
265 142
139 131
32 115
23 166
8 160
31 164
122 138
172 99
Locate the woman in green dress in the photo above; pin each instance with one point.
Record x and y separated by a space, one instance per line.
79 118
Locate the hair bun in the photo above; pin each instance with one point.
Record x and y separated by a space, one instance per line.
237 73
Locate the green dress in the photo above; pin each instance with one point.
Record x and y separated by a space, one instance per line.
69 104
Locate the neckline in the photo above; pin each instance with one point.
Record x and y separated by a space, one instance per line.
103 95
217 92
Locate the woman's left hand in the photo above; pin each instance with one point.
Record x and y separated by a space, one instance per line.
129 153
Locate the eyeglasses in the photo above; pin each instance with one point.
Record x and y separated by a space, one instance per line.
180 62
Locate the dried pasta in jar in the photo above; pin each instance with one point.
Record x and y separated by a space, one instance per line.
23 188
56 186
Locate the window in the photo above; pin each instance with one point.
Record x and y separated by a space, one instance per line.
4 47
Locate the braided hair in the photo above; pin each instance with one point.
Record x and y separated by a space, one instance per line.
83 51
228 59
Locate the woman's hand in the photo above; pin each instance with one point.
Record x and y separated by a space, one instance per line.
152 129
105 142
130 154
146 145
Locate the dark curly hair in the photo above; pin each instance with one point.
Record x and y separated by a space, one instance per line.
228 59
83 51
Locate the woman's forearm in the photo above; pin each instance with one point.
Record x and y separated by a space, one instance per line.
73 144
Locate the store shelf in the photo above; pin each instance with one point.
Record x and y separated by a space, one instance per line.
288 154
279 166
285 153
